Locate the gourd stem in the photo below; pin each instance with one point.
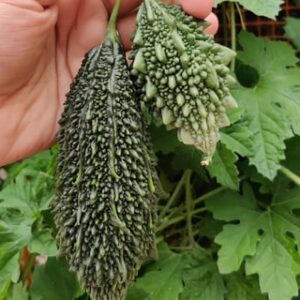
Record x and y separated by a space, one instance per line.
112 24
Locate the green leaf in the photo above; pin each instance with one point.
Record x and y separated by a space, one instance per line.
242 287
4 287
18 292
264 237
223 167
137 294
202 280
164 140
266 186
43 243
29 194
185 157
292 161
23 200
188 157
267 8
162 279
234 115
292 30
237 138
13 238
275 265
53 281
272 106
43 162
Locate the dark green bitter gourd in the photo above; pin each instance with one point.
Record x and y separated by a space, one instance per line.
105 207
182 74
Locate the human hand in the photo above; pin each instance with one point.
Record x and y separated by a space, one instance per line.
42 43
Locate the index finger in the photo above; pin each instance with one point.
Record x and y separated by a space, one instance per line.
197 8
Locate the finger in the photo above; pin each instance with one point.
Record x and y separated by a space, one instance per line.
126 28
199 9
81 26
34 5
47 3
31 28
212 19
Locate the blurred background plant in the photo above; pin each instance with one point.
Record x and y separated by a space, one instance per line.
230 231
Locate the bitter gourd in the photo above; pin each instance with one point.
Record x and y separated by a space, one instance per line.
181 74
105 205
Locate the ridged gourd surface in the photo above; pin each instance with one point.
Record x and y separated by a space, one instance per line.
105 205
181 74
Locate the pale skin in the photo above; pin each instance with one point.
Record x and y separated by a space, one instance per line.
42 43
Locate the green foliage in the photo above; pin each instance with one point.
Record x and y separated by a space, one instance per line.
162 280
229 231
53 281
201 278
223 167
267 8
272 106
265 238
26 195
18 292
241 287
292 30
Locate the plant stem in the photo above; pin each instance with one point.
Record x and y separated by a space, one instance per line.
189 208
291 175
29 266
179 219
174 196
111 28
233 32
209 194
224 23
241 16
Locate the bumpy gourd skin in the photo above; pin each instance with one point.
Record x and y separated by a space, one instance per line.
181 74
105 206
